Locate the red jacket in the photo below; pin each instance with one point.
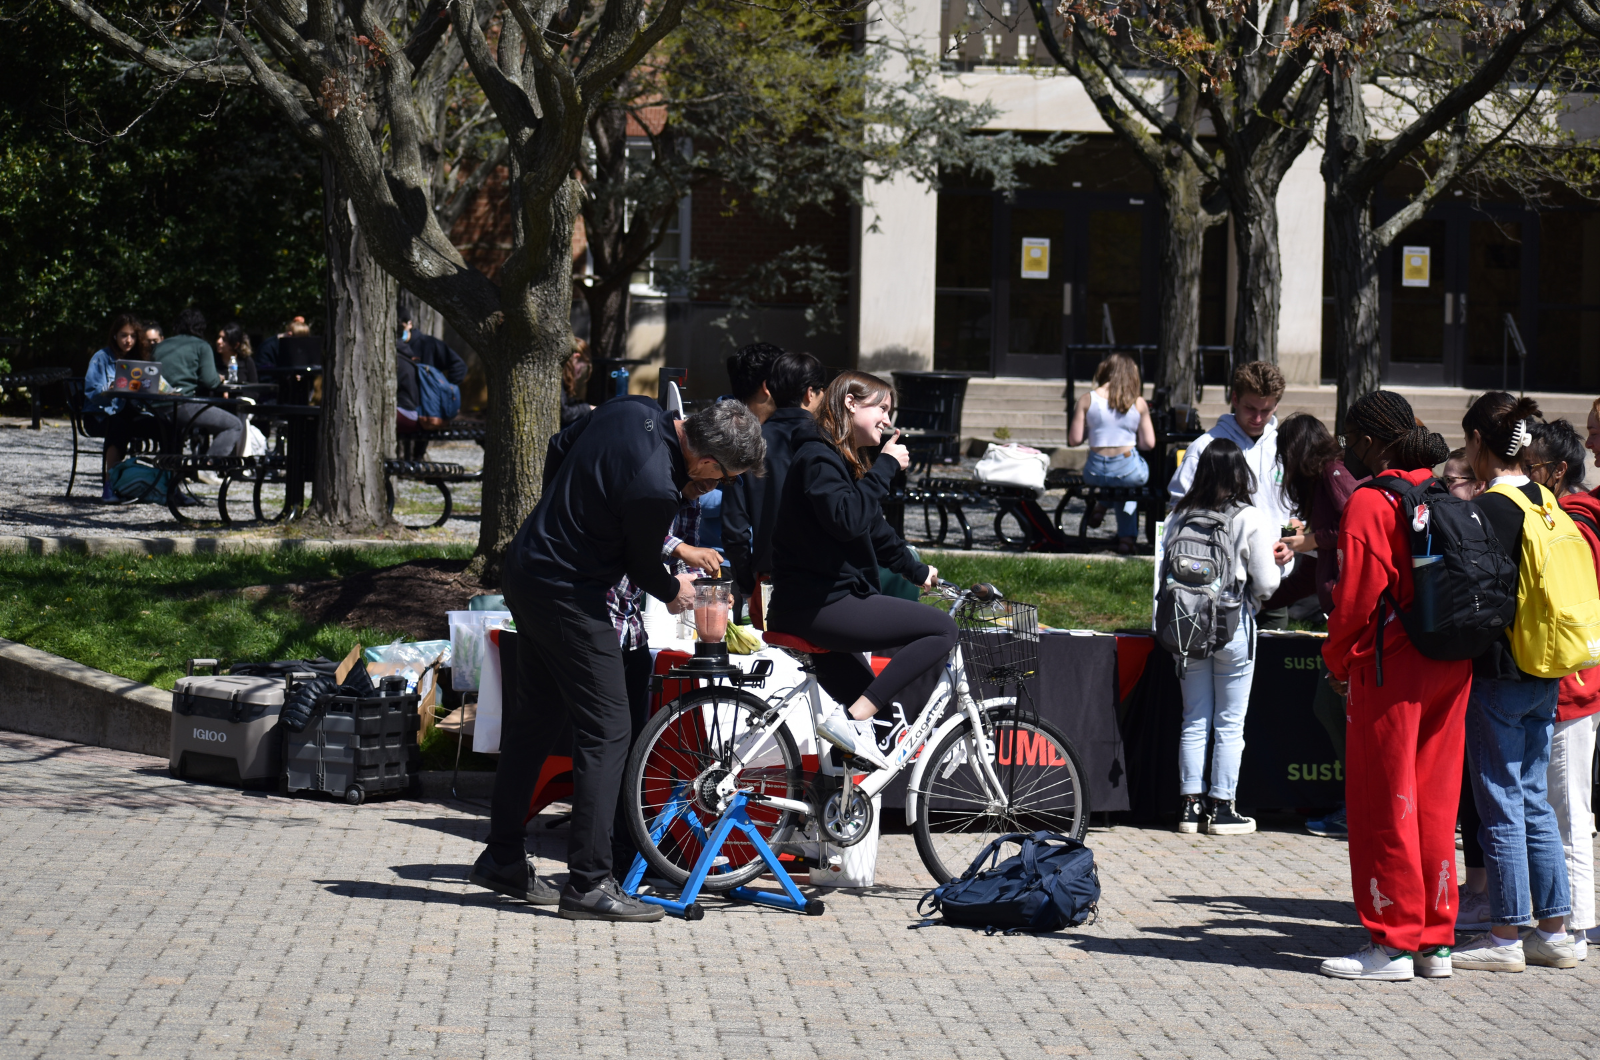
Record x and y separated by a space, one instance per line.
1580 692
1374 555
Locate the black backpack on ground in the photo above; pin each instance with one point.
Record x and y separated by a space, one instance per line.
1050 884
1465 598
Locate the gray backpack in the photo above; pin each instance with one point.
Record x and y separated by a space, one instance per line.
1199 602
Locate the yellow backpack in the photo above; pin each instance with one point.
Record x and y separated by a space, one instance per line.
1557 626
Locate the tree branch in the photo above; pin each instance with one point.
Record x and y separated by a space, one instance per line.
153 58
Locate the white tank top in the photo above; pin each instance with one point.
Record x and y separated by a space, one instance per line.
1109 429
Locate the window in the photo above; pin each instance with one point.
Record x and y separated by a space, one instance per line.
671 252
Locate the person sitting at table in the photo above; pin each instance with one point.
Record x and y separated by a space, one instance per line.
1115 420
234 345
104 414
150 336
187 365
267 355
425 349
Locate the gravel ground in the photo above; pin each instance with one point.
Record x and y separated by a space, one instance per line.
34 465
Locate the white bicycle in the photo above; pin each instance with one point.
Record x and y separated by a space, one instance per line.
992 767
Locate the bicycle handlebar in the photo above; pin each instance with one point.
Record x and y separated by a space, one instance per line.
982 592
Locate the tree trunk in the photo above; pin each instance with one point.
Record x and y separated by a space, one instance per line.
524 371
1353 249
1255 240
608 320
357 430
1182 246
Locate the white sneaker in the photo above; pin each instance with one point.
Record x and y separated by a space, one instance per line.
1434 963
840 730
1482 955
210 478
1580 947
1472 911
1558 953
1371 962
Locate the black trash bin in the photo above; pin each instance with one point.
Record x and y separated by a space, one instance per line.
931 401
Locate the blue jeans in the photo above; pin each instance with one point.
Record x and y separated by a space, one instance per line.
1216 693
1509 724
1127 470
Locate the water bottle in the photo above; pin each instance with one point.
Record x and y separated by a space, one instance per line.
233 369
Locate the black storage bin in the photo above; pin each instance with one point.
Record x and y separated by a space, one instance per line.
931 401
362 746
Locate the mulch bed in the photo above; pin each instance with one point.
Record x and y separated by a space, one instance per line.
411 598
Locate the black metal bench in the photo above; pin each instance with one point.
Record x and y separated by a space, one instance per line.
258 470
1151 499
952 496
434 474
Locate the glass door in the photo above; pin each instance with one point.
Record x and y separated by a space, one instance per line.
1036 290
1423 316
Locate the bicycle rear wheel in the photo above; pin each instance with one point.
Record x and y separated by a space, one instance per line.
1039 771
672 776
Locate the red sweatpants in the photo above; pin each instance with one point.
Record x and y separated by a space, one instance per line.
1402 783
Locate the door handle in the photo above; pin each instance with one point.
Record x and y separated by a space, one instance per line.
1066 299
1449 304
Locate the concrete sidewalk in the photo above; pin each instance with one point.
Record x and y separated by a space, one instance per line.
147 917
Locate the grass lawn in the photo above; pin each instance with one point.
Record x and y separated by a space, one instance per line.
143 617
1071 593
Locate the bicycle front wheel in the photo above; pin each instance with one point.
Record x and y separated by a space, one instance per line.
672 776
1041 780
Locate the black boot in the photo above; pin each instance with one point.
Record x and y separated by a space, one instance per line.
1193 814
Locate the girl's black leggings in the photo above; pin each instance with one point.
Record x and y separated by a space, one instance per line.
924 636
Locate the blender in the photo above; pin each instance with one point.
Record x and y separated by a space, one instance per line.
713 605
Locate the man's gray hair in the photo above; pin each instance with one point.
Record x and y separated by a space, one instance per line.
729 433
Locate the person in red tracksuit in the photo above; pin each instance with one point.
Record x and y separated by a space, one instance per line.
1555 461
1403 739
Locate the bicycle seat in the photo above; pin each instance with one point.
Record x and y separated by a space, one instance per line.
792 643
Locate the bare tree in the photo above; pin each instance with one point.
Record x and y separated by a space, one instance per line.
344 79
1432 64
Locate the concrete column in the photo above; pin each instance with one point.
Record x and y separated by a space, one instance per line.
1300 199
898 227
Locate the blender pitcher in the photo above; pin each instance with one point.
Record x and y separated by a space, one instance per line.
713 600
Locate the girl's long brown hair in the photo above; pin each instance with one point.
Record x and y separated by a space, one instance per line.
1120 376
834 420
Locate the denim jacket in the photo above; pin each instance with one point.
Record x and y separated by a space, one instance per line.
97 385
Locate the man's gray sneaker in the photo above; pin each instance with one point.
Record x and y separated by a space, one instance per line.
1558 954
1472 911
607 902
516 880
1482 955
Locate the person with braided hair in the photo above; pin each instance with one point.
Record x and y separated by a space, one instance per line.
1403 738
1510 721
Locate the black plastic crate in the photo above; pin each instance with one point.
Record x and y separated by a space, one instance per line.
361 747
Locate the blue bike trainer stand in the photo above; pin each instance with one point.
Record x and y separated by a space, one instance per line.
686 905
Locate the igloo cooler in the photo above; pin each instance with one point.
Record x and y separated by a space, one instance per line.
225 728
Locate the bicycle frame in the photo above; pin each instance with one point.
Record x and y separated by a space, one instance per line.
952 685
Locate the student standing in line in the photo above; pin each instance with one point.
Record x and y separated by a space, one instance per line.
1319 486
1254 394
1115 420
1509 723
1555 461
1216 689
1403 737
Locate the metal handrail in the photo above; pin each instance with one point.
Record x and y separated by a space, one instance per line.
1513 337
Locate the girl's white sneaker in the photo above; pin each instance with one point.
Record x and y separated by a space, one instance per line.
1371 962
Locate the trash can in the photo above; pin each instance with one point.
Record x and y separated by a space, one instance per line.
931 401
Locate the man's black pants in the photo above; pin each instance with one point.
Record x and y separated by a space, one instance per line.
569 667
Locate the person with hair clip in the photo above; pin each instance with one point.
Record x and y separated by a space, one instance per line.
1216 689
1509 723
829 540
1403 737
794 385
1556 462
1114 418
1318 486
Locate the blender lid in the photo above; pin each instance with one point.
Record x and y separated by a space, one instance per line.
713 581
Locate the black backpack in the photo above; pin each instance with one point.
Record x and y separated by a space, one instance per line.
1199 601
1050 884
1465 591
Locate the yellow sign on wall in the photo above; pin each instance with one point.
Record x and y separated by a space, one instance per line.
1035 259
1414 266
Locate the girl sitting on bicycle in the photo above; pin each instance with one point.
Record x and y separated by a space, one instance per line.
831 538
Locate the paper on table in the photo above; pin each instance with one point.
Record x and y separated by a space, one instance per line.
486 730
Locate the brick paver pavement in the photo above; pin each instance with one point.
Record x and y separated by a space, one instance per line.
144 917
